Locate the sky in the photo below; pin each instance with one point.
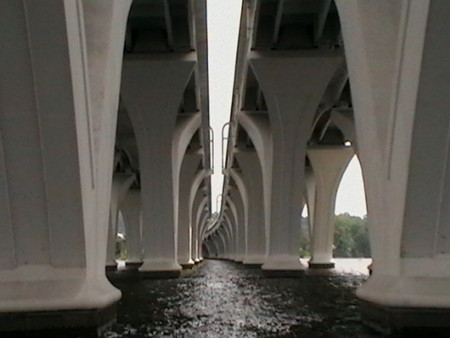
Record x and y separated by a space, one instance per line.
223 26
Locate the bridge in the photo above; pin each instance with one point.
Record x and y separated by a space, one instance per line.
104 109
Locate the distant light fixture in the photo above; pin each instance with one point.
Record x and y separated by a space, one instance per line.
348 143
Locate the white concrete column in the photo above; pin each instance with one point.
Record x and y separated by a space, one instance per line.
196 234
152 90
132 214
252 177
188 173
232 228
120 185
57 122
400 85
292 103
202 219
328 164
228 236
257 126
310 198
234 198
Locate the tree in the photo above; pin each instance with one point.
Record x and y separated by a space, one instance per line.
351 237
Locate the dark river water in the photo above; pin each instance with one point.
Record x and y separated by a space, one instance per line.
226 299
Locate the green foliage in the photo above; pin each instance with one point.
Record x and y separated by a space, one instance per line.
121 251
351 237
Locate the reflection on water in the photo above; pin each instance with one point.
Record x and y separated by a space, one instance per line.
225 299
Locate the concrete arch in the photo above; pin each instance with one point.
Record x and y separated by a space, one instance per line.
59 105
259 130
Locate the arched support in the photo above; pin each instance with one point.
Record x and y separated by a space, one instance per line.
252 177
292 104
189 170
396 88
132 215
232 215
196 233
152 90
235 198
258 128
120 185
59 97
310 198
232 226
328 164
240 186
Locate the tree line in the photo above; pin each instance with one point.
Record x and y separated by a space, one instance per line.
351 237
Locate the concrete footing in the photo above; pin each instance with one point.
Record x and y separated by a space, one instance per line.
187 266
321 265
66 323
403 319
133 265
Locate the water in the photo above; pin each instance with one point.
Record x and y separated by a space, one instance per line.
226 299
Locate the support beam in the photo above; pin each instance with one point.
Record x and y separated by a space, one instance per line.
328 164
292 103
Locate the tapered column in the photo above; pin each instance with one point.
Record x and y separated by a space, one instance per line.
310 197
57 121
235 199
196 234
401 100
189 169
132 215
120 185
328 164
152 90
232 226
292 102
252 177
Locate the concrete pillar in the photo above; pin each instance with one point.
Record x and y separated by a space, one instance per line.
292 103
189 169
228 235
196 234
328 164
310 198
132 215
234 198
152 90
56 152
252 177
202 217
400 85
120 185
257 126
232 226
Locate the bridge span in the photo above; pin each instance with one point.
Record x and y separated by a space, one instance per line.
104 110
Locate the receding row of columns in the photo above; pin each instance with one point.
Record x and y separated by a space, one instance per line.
396 56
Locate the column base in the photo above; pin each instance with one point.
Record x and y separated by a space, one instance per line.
160 268
65 323
313 265
254 260
187 265
133 265
111 267
388 319
283 266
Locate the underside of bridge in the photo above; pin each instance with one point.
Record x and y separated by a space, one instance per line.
104 110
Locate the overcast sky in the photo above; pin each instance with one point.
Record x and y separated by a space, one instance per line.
223 24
